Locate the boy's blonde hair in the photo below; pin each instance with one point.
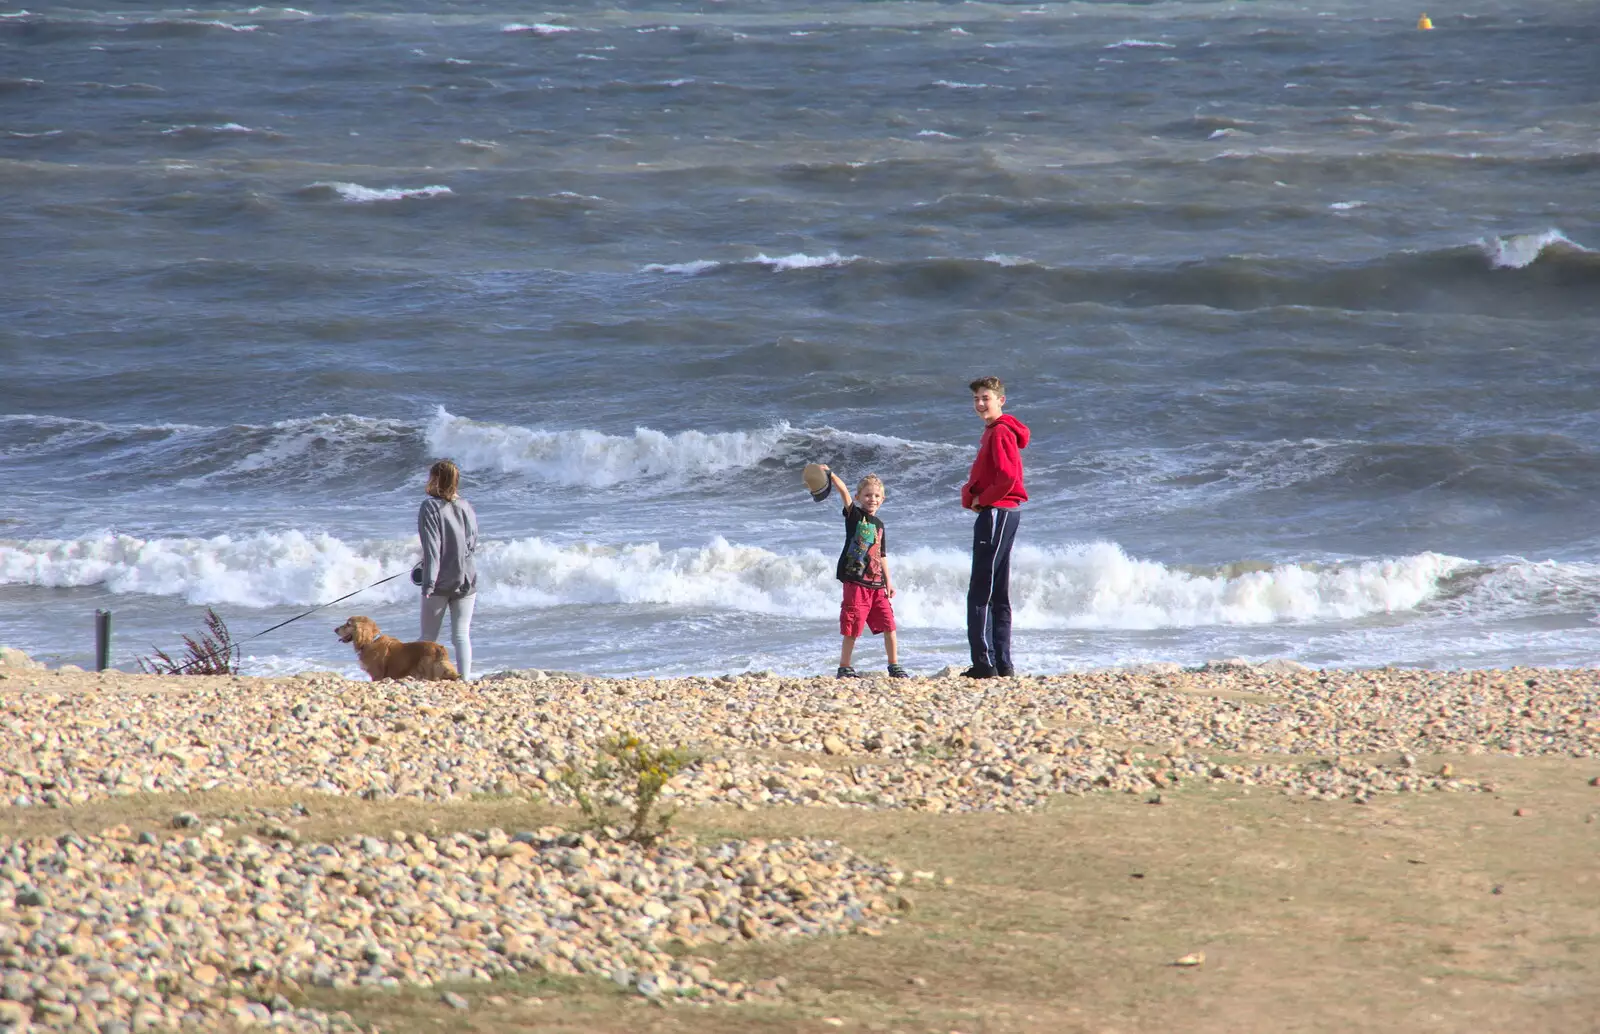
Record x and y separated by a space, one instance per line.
872 479
993 384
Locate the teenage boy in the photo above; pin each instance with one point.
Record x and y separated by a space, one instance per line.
864 569
993 491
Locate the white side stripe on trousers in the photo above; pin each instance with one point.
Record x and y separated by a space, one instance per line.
994 560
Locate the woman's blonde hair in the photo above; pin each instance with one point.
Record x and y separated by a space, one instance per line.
444 478
871 479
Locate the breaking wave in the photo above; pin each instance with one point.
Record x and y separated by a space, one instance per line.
1520 251
586 457
1080 586
344 449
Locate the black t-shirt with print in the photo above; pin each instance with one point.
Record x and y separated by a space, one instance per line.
865 546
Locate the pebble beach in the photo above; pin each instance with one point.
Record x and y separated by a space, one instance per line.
202 923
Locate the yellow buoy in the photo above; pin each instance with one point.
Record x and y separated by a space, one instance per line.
1424 22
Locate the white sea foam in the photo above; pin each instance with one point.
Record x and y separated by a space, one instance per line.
1507 587
952 85
1086 586
587 457
776 263
336 438
149 88
226 127
264 569
937 133
95 426
210 23
1137 44
681 268
1008 260
1345 206
1519 251
62 433
779 264
538 28
356 193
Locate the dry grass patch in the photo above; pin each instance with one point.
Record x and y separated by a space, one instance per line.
1427 911
1313 916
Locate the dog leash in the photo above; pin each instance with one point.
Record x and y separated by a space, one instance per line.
236 645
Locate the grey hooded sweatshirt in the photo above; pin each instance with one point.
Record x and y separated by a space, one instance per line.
449 533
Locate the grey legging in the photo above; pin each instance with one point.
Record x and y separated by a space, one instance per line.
433 608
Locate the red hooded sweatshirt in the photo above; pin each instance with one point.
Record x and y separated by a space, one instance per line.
996 476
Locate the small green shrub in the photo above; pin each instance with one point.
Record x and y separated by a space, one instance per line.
627 768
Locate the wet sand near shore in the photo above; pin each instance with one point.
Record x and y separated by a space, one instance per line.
1344 848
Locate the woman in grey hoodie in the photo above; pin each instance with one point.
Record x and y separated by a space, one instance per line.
448 528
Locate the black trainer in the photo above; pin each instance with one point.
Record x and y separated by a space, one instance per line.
980 671
846 672
897 672
1005 671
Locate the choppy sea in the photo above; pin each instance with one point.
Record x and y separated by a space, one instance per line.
1301 303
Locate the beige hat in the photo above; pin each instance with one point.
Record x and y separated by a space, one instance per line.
817 481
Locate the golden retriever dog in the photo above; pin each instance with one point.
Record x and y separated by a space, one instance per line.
385 657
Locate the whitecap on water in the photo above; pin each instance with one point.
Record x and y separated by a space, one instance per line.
1519 251
358 194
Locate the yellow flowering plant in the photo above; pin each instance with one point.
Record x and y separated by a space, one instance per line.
628 767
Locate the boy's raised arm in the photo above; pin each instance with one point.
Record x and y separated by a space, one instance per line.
838 486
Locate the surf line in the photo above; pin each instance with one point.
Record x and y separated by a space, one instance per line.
179 670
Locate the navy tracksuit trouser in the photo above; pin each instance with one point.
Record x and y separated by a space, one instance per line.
989 591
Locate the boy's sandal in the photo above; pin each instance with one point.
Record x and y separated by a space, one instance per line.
846 672
897 672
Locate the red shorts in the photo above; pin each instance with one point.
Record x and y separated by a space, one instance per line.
865 608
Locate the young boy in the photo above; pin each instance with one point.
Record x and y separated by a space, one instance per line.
993 491
864 570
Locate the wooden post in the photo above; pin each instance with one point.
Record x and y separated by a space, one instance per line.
102 640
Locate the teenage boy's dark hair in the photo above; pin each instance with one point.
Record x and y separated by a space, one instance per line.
988 384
